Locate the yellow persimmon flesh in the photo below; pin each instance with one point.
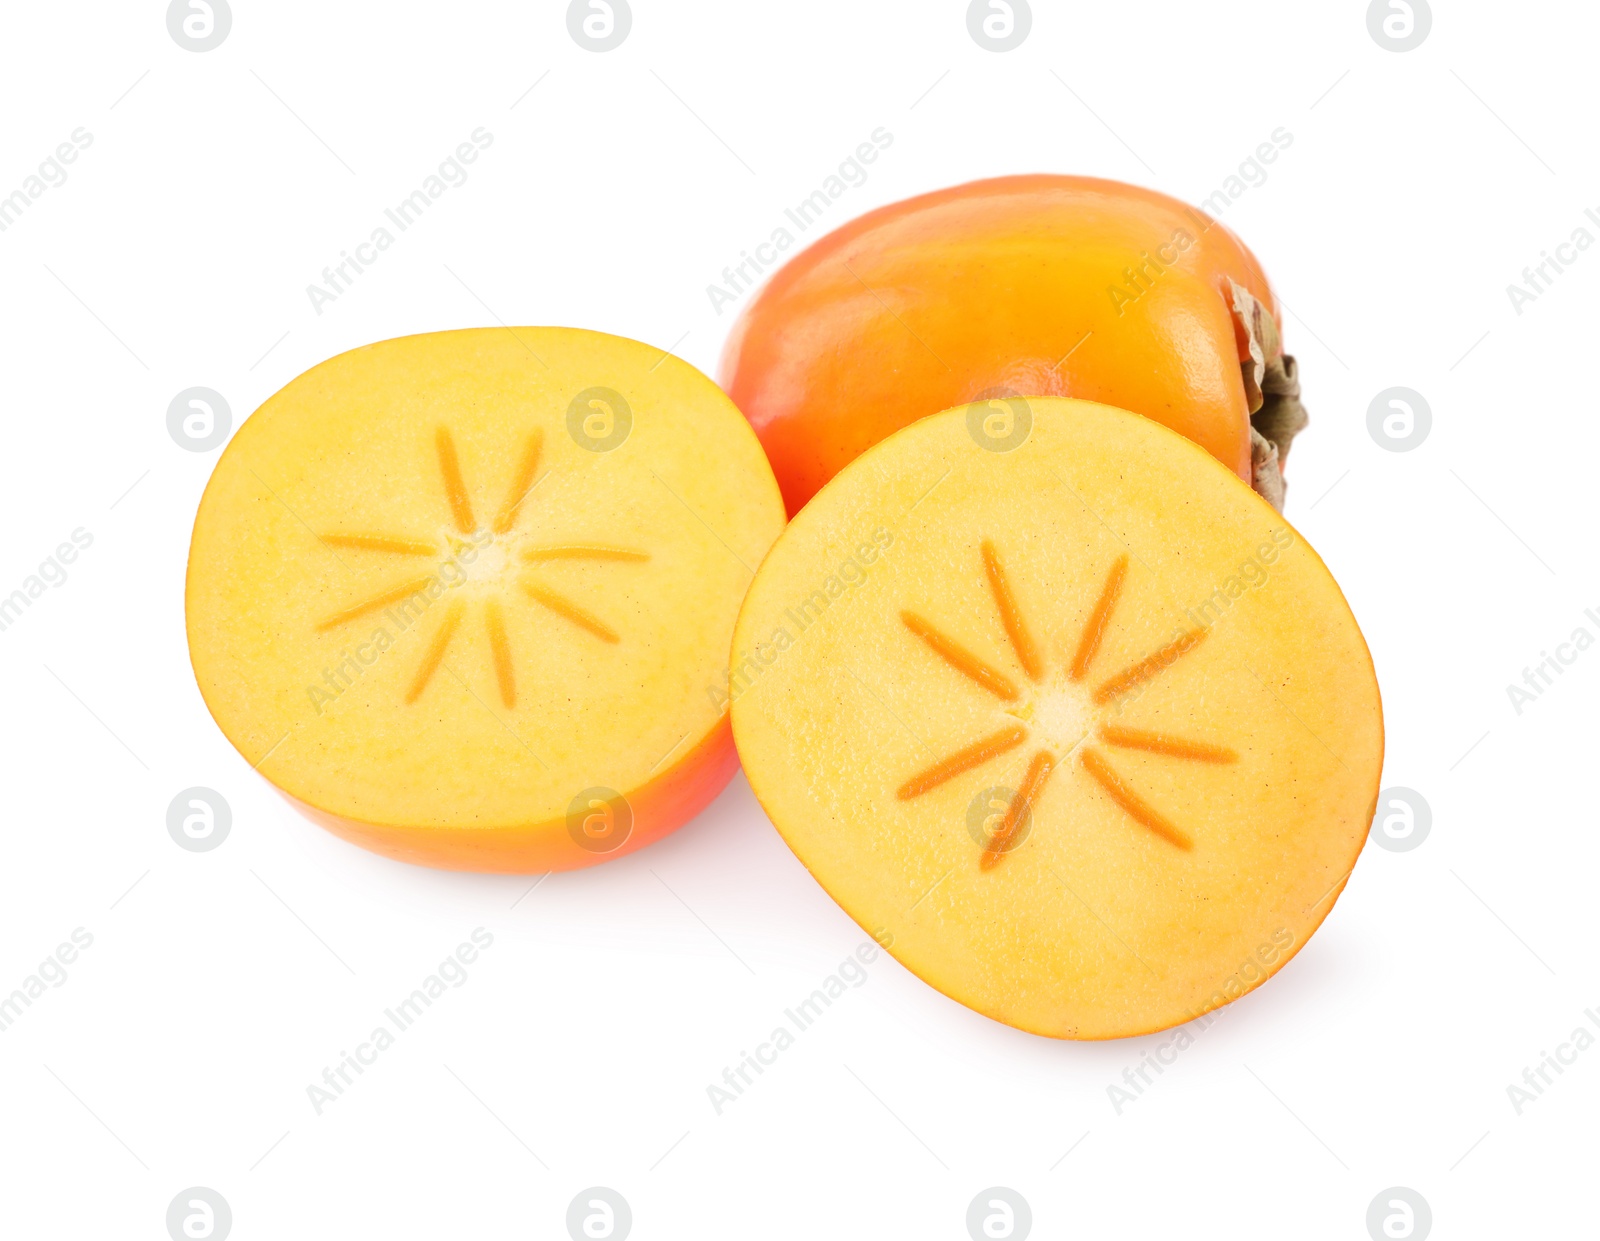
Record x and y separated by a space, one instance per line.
1089 737
466 597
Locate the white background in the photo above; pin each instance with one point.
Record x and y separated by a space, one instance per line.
219 985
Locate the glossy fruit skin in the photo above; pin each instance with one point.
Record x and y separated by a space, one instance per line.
659 807
1034 285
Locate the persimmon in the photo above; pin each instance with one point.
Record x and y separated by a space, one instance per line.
1091 741
459 595
1016 287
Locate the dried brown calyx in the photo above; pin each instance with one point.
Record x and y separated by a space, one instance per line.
1272 387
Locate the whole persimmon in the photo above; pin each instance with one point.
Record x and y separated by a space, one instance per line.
1015 287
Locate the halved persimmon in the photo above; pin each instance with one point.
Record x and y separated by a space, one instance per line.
460 595
1090 737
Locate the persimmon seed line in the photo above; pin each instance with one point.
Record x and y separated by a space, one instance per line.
961 659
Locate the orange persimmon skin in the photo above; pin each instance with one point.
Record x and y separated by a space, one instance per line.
1033 285
672 798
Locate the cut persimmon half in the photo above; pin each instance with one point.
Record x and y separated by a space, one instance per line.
461 596
1086 733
